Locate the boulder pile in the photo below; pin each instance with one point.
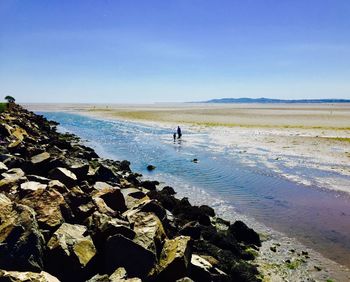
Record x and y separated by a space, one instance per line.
68 215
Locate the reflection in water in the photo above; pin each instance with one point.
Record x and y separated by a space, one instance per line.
320 219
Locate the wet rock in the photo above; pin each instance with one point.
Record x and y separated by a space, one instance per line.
69 252
125 166
21 243
16 276
149 185
244 234
151 167
63 175
207 210
175 259
123 252
169 190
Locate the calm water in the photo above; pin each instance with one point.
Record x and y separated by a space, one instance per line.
318 218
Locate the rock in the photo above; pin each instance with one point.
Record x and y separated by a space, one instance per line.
103 226
122 252
149 185
104 173
184 279
14 174
80 170
203 270
114 199
16 276
125 166
3 167
191 229
200 269
37 178
21 243
58 186
32 186
99 278
63 175
120 275
149 231
244 234
69 252
169 190
207 210
175 259
48 205
40 159
108 199
151 167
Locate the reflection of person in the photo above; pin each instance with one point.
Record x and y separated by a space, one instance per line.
179 134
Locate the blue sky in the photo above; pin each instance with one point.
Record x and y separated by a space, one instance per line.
172 51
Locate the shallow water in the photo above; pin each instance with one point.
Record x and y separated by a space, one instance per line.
318 218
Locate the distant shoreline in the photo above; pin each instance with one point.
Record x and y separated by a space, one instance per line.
276 101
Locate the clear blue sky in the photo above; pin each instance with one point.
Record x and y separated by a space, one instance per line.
162 51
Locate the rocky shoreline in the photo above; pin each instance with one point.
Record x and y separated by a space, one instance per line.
68 215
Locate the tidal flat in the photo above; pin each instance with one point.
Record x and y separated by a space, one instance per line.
306 145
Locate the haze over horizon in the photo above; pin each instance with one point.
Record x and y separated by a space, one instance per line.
185 50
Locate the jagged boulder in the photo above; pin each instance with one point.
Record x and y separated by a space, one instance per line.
49 206
69 252
103 226
175 259
16 276
203 270
149 231
63 175
21 243
122 252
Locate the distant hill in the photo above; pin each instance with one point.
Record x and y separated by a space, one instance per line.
276 101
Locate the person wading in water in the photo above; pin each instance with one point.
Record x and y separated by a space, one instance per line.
179 133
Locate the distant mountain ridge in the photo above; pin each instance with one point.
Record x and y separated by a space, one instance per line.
276 101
